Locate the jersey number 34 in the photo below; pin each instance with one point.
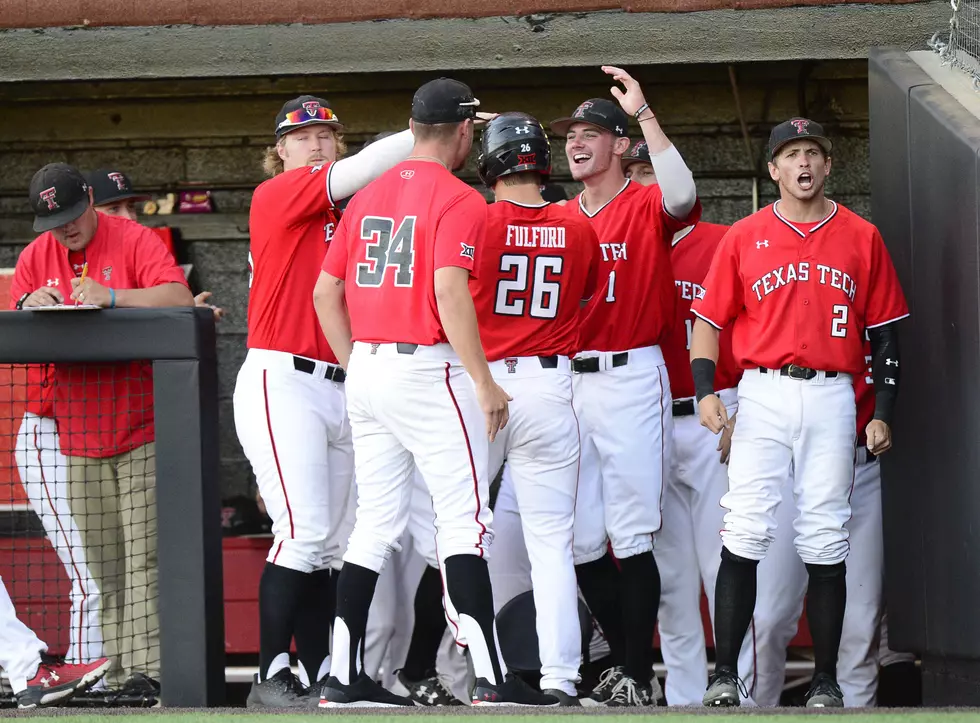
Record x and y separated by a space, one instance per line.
387 246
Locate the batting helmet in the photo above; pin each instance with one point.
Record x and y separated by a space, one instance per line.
512 143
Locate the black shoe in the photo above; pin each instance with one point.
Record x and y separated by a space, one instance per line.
513 691
431 691
824 693
282 690
363 692
723 690
141 684
564 699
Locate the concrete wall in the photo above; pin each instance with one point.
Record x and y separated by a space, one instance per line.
211 133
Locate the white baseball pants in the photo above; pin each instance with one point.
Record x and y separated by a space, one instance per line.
541 445
784 422
20 648
44 473
624 415
294 430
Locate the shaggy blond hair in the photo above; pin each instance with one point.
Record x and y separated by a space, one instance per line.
272 164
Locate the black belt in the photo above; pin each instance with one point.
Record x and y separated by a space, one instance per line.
335 373
403 348
549 362
796 372
685 408
591 364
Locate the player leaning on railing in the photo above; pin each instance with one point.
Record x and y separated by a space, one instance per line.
104 412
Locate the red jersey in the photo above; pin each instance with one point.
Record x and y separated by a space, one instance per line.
536 265
39 398
801 293
634 306
291 220
690 258
413 219
101 409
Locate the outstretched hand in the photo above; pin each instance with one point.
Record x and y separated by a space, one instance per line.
631 99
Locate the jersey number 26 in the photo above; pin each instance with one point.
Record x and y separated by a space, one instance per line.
540 276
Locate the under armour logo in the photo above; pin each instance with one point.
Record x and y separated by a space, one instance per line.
619 129
53 282
468 252
48 195
800 125
891 362
760 244
511 365
119 179
522 129
52 678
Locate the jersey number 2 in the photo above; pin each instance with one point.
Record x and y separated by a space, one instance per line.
544 293
387 246
838 323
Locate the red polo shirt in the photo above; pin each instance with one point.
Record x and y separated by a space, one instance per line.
101 409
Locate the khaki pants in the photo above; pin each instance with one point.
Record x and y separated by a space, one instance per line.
113 501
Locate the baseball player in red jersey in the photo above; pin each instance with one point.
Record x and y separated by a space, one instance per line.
289 396
622 394
539 261
802 280
394 303
688 543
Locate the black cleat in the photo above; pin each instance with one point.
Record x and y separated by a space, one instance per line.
564 699
513 691
282 690
363 692
723 689
824 693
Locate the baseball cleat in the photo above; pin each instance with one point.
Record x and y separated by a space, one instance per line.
56 681
363 692
513 691
723 689
429 691
564 699
629 692
282 690
824 693
603 690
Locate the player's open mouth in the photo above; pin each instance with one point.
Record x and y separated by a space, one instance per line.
578 158
805 180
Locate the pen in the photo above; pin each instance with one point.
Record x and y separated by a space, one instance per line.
82 280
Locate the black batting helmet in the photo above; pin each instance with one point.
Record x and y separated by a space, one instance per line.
512 143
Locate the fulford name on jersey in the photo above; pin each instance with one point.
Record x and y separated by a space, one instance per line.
784 275
545 237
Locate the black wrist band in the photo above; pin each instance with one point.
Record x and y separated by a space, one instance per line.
20 302
885 406
703 371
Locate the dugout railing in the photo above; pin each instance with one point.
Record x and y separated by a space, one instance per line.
180 345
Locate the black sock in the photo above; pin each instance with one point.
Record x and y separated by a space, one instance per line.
599 582
313 619
826 597
430 626
355 590
640 584
281 592
734 605
469 590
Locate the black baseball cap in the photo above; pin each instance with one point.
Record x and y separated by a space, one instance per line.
598 112
639 153
306 110
109 186
444 100
795 129
59 195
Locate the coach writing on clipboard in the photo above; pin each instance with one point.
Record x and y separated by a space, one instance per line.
104 412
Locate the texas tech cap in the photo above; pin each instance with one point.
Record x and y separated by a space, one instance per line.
796 129
59 195
639 153
305 111
443 100
598 112
109 186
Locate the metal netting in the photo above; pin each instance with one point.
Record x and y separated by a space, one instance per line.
961 48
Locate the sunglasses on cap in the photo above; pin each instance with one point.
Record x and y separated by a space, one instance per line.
303 115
